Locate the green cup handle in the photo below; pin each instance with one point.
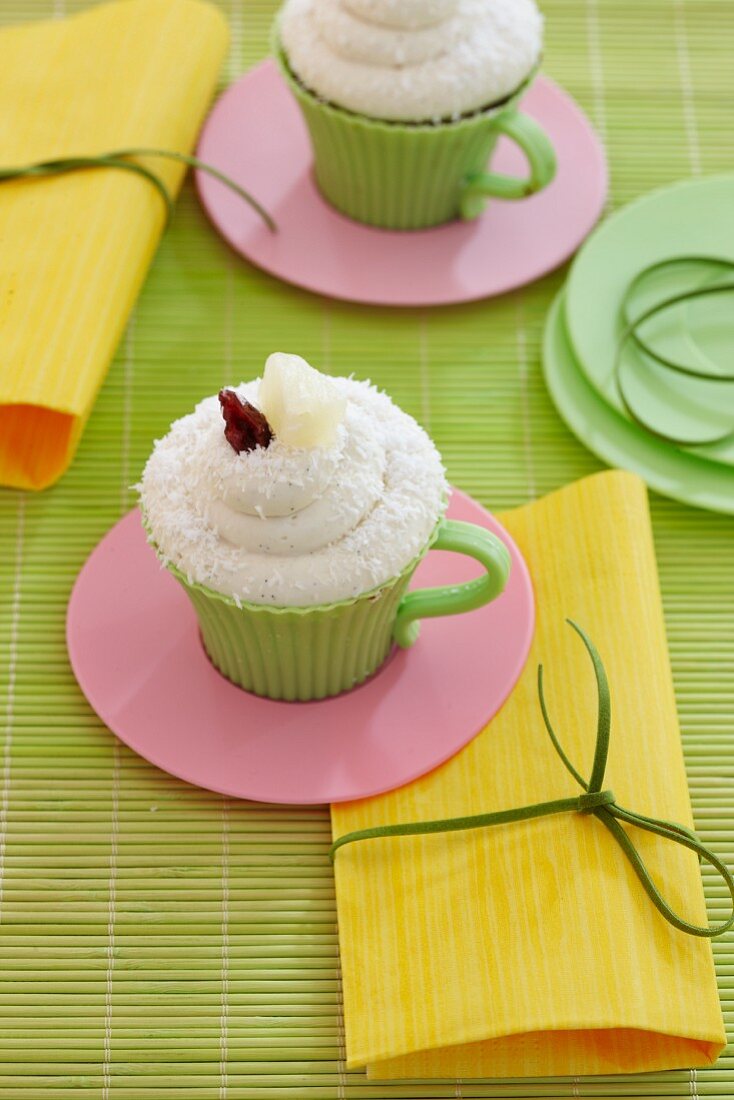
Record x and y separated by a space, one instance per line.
462 538
536 146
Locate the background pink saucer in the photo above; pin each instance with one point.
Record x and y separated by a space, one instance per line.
256 135
135 650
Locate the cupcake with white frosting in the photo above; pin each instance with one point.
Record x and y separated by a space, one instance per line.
294 509
412 60
324 512
405 99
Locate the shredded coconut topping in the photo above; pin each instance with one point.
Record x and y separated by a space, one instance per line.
290 526
412 60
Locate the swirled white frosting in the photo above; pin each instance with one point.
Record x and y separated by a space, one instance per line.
289 526
411 60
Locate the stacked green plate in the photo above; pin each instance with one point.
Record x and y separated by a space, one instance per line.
661 401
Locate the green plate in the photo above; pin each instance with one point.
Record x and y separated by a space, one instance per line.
687 219
619 442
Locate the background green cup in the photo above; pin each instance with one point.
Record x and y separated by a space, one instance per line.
411 176
302 653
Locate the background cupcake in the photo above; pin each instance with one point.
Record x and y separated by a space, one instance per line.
405 100
412 60
294 510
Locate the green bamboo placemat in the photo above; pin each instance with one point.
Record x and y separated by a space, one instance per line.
159 941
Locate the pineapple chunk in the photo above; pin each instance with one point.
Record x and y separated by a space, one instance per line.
303 407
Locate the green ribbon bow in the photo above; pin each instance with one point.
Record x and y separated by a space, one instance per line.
124 159
601 803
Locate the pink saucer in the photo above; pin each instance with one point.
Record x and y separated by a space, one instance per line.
256 135
135 650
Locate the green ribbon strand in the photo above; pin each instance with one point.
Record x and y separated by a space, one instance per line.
123 159
633 325
632 332
600 803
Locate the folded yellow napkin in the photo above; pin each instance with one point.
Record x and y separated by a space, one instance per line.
531 949
75 248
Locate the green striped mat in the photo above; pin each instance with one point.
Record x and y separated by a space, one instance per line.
158 941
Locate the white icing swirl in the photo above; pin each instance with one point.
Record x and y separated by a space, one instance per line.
303 494
412 60
275 482
374 44
404 14
292 526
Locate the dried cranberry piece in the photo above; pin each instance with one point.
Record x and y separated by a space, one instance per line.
245 426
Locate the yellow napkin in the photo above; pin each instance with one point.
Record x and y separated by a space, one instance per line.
531 949
75 248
